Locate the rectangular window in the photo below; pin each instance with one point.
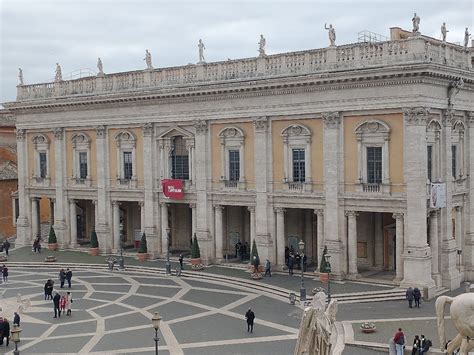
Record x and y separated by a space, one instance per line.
374 165
43 165
82 165
180 167
453 160
430 160
127 165
298 165
234 165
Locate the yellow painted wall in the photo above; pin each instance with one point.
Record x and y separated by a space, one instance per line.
249 170
138 154
32 155
395 122
317 164
93 154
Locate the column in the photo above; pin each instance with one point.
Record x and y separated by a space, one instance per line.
320 232
252 224
219 232
116 225
96 218
458 231
142 216
332 141
73 223
386 160
434 244
417 258
164 227
35 222
24 232
51 211
352 243
280 236
223 160
60 226
378 241
193 218
469 217
399 247
286 176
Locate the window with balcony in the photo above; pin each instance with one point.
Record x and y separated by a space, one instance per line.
234 165
82 165
127 165
298 165
232 157
433 134
297 157
43 165
81 144
374 165
126 158
41 172
179 159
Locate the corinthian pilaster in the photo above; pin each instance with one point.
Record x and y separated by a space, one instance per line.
331 119
416 116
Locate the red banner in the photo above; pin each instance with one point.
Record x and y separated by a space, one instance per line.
173 188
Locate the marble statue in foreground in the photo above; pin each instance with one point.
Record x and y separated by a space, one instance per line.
462 315
316 327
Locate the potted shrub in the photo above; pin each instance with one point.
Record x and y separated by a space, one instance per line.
368 327
257 267
143 249
94 249
196 262
323 274
52 240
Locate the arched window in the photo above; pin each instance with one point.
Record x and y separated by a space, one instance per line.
433 152
126 159
81 159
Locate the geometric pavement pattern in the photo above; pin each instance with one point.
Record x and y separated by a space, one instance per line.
111 314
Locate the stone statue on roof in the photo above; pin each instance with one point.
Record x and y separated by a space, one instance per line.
261 46
100 67
444 31
20 76
416 23
147 60
466 38
58 76
201 51
331 34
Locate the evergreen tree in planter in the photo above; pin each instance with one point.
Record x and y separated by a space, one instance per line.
257 268
323 274
94 249
196 262
52 240
143 250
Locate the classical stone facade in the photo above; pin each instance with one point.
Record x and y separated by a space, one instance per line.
335 146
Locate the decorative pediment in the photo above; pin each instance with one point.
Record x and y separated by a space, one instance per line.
459 127
296 130
125 137
40 139
80 139
372 126
176 131
433 125
231 134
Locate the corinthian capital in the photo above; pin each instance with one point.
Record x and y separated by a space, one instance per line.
100 131
416 116
20 134
261 123
331 119
58 133
200 126
147 129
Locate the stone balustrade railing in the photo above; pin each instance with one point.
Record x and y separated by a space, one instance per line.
352 56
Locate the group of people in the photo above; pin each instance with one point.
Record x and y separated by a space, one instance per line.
5 246
62 303
413 294
242 251
421 345
292 259
5 328
65 276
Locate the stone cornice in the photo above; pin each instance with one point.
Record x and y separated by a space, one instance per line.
362 78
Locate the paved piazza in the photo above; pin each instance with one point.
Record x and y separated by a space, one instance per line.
112 314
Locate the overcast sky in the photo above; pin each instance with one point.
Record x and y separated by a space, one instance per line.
35 34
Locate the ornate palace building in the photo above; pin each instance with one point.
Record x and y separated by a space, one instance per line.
337 147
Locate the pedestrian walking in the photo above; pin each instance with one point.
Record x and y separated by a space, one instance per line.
416 345
6 246
48 290
291 262
56 300
68 277
256 264
68 303
268 268
62 277
409 296
399 340
237 249
6 331
181 260
5 274
417 296
16 319
250 316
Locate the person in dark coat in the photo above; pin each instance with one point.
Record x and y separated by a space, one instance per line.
62 277
417 296
1 331
268 268
250 316
298 261
425 345
287 255
410 297
237 248
416 345
57 310
6 331
256 263
181 260
68 277
16 319
48 290
6 246
5 274
290 264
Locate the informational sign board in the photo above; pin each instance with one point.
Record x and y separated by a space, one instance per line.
438 195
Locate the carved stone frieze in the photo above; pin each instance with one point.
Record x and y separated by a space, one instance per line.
331 119
100 131
200 126
416 116
58 133
148 129
261 123
20 134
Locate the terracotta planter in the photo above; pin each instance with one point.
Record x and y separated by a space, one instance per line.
368 330
251 268
196 264
323 277
52 246
94 251
142 256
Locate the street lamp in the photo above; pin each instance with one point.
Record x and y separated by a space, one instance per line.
156 320
328 270
121 261
16 330
302 289
168 265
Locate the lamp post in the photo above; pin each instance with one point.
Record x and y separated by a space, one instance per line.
121 261
16 330
302 289
168 265
156 320
328 270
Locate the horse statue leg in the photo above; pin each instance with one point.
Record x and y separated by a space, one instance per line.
440 303
466 345
454 344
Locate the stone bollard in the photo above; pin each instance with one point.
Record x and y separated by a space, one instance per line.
292 298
